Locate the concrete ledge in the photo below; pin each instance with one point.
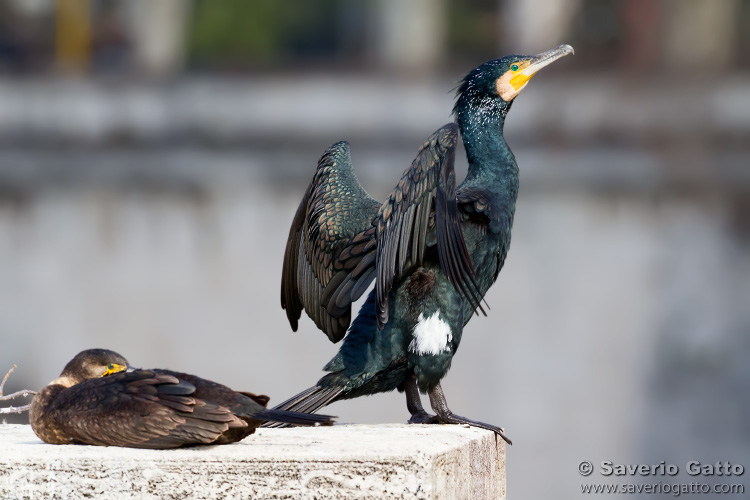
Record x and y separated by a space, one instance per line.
344 461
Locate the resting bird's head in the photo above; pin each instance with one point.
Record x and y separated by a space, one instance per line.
492 86
92 363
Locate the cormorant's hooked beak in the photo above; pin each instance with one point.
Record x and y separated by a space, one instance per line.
538 62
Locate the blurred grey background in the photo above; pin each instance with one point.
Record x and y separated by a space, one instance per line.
152 155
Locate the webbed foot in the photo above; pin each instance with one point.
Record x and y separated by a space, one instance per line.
446 416
423 418
452 418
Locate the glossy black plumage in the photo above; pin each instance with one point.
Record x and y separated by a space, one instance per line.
427 188
341 239
146 408
433 249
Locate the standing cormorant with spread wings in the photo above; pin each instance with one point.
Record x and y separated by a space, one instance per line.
433 250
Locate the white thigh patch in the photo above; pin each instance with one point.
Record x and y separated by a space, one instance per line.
431 335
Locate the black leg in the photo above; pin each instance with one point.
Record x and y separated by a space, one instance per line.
414 404
446 416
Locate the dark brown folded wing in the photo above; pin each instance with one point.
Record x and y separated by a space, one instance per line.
140 409
330 250
424 201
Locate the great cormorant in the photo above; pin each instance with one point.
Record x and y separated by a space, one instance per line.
100 400
433 250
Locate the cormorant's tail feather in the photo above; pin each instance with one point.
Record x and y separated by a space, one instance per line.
308 401
297 398
294 418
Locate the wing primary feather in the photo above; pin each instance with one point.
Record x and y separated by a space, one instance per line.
362 285
367 261
453 254
342 294
405 239
332 287
289 286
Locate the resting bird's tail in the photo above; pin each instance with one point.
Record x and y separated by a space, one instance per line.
307 401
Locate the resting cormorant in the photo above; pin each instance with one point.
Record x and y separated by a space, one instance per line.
100 400
433 250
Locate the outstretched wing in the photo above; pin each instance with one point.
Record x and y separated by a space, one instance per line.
424 200
341 238
330 250
140 409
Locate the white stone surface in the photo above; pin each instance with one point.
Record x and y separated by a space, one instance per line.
344 461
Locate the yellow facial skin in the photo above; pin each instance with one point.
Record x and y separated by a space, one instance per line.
113 368
510 84
519 77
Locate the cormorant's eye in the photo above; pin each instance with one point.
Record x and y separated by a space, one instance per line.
110 366
514 67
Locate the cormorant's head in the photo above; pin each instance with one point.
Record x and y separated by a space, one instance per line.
495 84
92 363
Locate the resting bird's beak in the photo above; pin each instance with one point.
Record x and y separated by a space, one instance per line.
537 62
114 368
131 369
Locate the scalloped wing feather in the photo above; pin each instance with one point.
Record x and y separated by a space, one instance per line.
331 236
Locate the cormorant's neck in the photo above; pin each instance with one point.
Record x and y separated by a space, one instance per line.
491 162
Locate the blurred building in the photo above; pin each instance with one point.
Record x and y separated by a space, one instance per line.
152 154
140 37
